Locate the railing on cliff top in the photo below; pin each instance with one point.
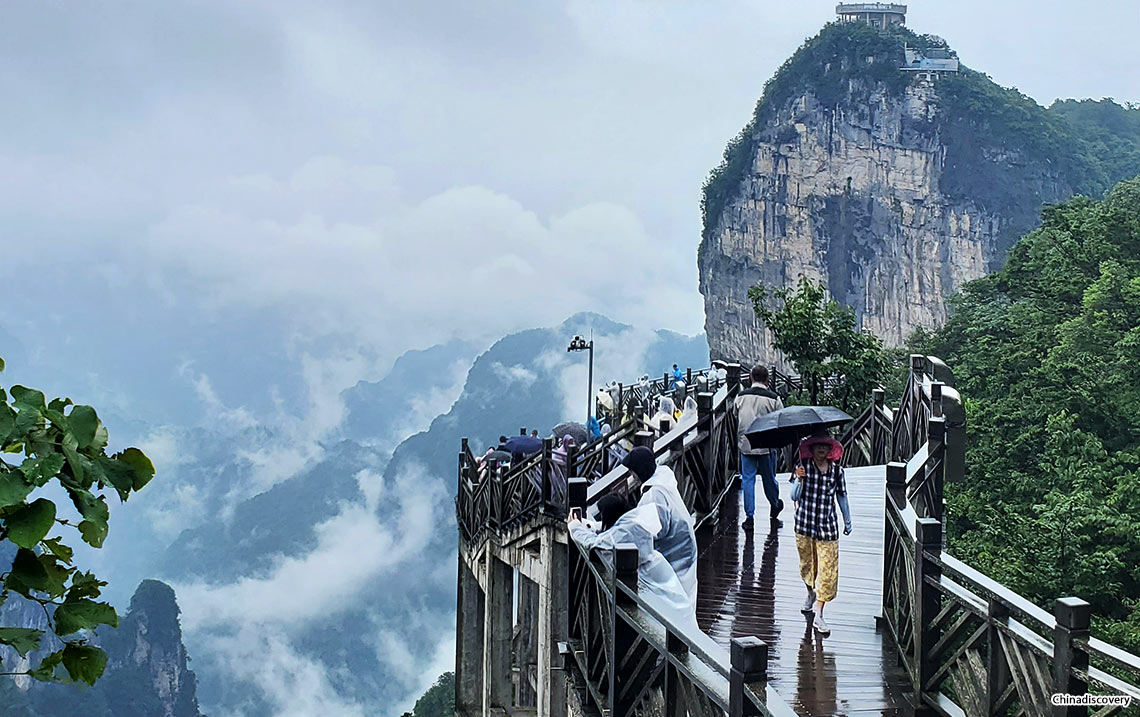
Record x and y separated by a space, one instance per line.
970 645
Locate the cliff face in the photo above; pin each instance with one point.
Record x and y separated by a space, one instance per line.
891 191
147 666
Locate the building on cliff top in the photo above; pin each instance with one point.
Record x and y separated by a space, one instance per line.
930 63
879 14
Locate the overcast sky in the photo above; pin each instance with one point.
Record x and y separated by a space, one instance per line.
396 172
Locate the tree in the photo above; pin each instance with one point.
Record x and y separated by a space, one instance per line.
1045 354
59 444
819 337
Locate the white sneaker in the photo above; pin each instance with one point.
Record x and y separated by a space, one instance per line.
809 603
821 625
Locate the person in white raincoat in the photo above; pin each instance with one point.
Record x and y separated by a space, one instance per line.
664 413
656 579
674 537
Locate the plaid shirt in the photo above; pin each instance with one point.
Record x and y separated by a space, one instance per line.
815 511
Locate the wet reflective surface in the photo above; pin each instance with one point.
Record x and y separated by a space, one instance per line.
749 585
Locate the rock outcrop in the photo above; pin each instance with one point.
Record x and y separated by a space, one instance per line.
147 672
892 191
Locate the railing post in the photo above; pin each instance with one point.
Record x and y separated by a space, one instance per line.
547 488
878 398
522 431
494 494
624 635
704 406
576 493
936 398
896 496
936 468
732 376
997 669
749 663
643 438
1072 624
926 604
619 409
918 367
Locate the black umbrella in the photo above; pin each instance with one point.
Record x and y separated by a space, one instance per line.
577 430
780 428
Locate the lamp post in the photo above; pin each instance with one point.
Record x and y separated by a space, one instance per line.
580 344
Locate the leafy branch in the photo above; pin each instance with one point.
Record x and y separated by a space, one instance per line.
66 443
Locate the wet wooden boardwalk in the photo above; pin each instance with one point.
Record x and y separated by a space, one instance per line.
749 585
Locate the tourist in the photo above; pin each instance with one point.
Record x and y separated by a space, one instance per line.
655 576
673 534
678 375
752 403
663 419
817 484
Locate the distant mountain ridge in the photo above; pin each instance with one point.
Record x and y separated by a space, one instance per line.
402 587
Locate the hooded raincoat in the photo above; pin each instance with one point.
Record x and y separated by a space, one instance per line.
675 538
664 413
655 576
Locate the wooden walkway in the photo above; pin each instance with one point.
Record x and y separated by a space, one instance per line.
749 585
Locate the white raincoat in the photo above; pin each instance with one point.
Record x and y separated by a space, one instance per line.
655 577
675 538
664 413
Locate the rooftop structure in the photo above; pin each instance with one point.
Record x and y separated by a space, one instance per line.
879 14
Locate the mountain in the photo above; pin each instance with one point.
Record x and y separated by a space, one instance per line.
147 674
420 385
892 189
334 590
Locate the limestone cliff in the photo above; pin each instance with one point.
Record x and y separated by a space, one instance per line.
891 190
147 672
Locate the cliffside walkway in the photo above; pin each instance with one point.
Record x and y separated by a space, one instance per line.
546 628
749 584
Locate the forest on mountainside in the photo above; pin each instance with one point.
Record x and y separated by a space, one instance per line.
1046 355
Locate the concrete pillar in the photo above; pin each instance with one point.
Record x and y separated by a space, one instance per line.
553 622
498 626
469 643
526 641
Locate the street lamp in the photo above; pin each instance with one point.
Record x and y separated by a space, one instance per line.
580 344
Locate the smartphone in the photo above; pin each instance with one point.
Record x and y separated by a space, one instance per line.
576 513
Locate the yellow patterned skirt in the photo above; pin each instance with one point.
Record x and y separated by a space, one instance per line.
819 565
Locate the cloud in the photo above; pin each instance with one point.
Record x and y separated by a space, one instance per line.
334 246
370 542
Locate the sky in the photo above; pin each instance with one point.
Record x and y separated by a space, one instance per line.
292 175
226 213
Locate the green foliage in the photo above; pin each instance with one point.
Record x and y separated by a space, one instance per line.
438 701
1045 353
61 443
819 337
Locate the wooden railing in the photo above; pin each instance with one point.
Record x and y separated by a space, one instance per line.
635 660
970 645
624 651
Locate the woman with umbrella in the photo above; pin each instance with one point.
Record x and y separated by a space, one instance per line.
817 484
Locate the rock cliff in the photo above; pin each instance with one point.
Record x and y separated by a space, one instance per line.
147 673
892 190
